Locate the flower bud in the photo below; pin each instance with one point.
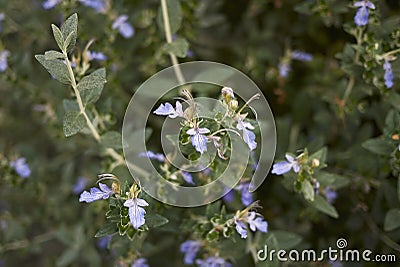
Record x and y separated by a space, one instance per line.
233 104
227 91
315 163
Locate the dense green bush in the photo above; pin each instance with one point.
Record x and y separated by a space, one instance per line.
329 70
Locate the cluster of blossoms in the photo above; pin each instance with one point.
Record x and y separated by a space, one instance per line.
101 6
241 221
200 136
190 249
361 19
388 76
304 166
132 202
284 66
245 195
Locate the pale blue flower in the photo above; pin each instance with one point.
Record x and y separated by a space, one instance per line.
20 167
4 54
151 155
49 4
255 222
241 228
330 194
96 194
388 77
99 56
230 196
187 177
103 242
97 5
141 262
302 56
285 166
136 212
361 17
198 139
124 27
190 249
246 195
168 110
213 262
248 136
80 185
284 69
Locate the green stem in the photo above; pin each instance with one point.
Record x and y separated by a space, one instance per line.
20 244
254 97
111 152
351 82
168 36
390 53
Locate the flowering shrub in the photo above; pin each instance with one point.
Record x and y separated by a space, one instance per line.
329 70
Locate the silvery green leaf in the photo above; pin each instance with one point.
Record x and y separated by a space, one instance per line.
69 31
179 47
56 67
112 139
392 220
48 55
323 205
91 86
307 190
155 220
70 105
174 13
74 121
378 146
107 229
58 36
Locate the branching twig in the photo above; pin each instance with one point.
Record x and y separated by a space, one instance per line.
111 152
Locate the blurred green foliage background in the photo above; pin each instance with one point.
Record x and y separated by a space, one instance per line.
42 223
